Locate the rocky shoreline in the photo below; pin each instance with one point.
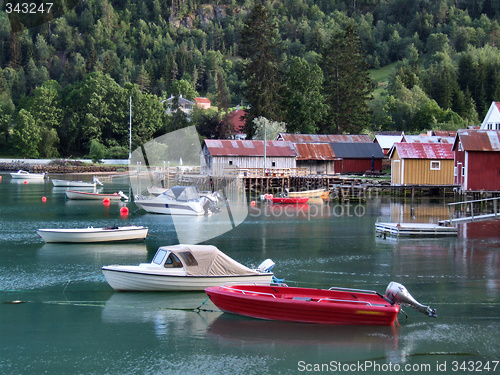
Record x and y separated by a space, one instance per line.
60 168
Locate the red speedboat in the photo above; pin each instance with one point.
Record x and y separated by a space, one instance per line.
289 200
326 306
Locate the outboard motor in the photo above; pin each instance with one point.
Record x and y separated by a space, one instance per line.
266 266
397 293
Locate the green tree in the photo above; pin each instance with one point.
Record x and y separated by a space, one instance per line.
347 86
269 130
27 135
261 71
303 98
97 151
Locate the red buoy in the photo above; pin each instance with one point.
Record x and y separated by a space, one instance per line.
25 182
106 201
44 199
0 178
124 211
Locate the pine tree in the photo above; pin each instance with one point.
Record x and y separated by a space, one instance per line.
262 67
347 86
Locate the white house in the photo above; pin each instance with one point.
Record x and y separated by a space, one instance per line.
492 119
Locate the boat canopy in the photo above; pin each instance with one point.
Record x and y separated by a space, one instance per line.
207 260
183 193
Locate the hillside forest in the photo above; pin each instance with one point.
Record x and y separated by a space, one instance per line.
313 66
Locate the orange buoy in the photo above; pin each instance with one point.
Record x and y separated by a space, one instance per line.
0 178
44 199
124 211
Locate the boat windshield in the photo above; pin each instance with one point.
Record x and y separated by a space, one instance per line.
183 193
159 256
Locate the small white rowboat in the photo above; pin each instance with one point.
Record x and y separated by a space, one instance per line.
106 234
27 175
72 194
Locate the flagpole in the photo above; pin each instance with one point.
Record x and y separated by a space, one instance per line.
130 131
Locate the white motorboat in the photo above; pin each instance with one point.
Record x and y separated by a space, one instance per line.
178 200
72 194
185 268
90 234
70 183
20 174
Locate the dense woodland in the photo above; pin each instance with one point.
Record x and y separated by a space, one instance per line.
65 82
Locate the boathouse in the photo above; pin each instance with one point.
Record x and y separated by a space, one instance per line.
477 160
421 164
357 157
222 155
318 158
387 139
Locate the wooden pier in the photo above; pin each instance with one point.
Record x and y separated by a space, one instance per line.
472 210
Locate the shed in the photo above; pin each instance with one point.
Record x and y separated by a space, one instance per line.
357 157
222 154
386 141
477 159
421 164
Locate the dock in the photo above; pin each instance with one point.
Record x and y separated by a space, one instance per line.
414 230
472 210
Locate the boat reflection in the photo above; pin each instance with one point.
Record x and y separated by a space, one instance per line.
236 330
169 312
121 249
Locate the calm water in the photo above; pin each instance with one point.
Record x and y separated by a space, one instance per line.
71 321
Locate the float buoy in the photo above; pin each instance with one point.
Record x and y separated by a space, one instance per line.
124 211
106 201
44 199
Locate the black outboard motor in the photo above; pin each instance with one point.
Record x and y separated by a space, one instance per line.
397 293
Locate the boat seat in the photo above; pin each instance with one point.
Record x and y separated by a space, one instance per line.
302 298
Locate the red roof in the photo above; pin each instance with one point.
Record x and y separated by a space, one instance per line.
237 120
325 138
479 140
219 147
424 150
498 105
202 100
314 151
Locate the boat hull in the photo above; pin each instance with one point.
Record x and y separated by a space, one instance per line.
93 234
130 281
289 200
71 194
166 208
304 305
28 176
68 183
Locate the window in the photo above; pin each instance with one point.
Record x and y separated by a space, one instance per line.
273 164
455 171
159 256
172 262
435 165
230 162
463 171
460 147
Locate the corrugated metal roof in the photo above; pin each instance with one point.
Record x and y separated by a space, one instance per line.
422 138
480 140
218 147
357 150
314 151
325 138
424 150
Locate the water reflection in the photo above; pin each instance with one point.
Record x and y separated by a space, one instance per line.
170 313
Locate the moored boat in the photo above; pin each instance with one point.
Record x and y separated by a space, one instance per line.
289 200
325 306
27 175
178 200
414 230
185 268
73 194
90 234
307 193
71 183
